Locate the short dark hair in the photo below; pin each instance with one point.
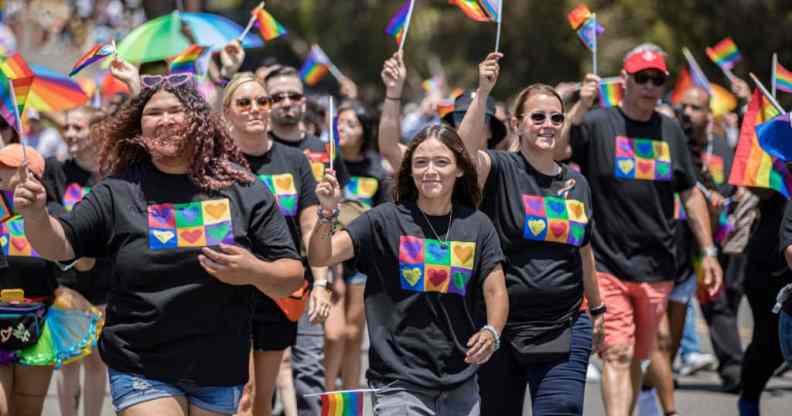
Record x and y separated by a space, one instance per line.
281 71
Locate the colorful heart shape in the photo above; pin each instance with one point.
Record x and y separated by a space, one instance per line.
163 236
558 228
459 280
411 275
190 213
556 206
626 166
436 251
19 243
663 170
160 213
661 150
284 182
644 166
411 248
190 236
217 210
367 186
218 232
463 253
577 210
535 204
536 226
644 148
5 334
437 276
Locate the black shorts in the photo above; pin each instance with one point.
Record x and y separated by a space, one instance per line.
272 330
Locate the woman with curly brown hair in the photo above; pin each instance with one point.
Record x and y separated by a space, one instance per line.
435 295
191 233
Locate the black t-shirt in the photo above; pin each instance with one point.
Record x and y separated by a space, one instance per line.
21 267
423 299
541 230
286 173
166 316
633 169
67 183
368 181
318 154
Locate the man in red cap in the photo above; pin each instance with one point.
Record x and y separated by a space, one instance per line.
636 160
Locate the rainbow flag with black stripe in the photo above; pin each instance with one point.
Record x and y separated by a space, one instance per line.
348 403
753 166
95 54
397 23
783 80
725 53
478 10
269 28
185 61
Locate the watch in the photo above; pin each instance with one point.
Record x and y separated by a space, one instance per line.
710 251
598 310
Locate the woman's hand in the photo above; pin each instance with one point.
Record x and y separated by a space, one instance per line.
30 197
126 73
589 90
489 71
229 264
319 304
393 75
329 192
231 57
481 347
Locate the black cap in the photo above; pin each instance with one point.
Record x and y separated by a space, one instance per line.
461 105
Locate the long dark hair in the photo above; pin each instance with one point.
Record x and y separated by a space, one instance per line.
217 162
365 119
466 189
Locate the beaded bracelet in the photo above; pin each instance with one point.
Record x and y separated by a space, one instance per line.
491 330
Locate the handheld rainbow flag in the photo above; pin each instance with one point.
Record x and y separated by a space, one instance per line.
95 54
783 78
7 107
610 93
725 54
349 403
493 8
185 61
578 16
752 165
775 137
269 28
315 68
399 24
584 22
473 9
587 33
15 68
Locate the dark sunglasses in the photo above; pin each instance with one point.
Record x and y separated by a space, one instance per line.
539 118
693 106
642 78
245 103
291 96
174 80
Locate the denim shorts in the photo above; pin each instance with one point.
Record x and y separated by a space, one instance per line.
129 389
684 291
785 335
355 279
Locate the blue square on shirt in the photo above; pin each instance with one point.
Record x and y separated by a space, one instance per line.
412 277
624 167
162 238
535 228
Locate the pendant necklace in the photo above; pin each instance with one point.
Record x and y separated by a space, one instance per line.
443 242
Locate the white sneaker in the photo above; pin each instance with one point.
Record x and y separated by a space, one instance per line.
593 374
695 362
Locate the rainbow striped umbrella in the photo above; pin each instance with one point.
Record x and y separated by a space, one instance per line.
163 37
53 91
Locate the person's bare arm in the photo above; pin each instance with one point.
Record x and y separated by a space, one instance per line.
393 75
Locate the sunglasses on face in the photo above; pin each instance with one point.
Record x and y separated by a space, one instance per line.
174 80
246 103
683 107
538 118
642 78
291 96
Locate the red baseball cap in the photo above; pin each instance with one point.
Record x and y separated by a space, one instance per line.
643 60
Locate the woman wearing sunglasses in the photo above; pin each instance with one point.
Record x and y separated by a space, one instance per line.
287 174
431 259
191 233
542 211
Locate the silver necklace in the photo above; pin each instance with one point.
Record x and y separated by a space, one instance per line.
443 242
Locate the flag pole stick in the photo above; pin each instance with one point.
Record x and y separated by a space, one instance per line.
21 130
594 44
773 80
500 19
766 93
250 23
407 25
729 74
332 132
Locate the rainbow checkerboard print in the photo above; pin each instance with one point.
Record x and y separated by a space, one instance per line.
193 224
715 166
551 218
361 188
642 159
73 194
426 266
282 186
12 239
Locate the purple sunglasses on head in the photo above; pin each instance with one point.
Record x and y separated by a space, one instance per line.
173 80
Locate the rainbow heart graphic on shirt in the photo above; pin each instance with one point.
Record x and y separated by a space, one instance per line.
426 265
642 159
362 189
73 194
317 161
12 239
715 166
551 218
192 224
285 191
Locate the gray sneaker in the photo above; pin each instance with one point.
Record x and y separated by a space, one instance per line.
695 362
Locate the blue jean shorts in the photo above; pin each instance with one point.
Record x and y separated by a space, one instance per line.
684 291
355 279
129 389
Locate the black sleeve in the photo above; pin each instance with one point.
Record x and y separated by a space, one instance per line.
268 232
308 190
54 180
492 179
684 170
580 139
361 231
89 225
785 233
342 173
491 253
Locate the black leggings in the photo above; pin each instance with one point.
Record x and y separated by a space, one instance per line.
763 355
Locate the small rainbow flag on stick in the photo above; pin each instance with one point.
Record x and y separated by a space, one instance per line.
472 9
783 78
7 109
578 16
611 93
752 165
21 76
185 61
315 67
585 24
349 403
399 24
268 27
725 54
97 53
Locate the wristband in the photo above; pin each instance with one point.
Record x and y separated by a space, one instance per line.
491 329
598 310
710 251
328 219
388 97
320 283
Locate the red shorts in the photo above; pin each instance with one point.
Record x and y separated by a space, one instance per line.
634 312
